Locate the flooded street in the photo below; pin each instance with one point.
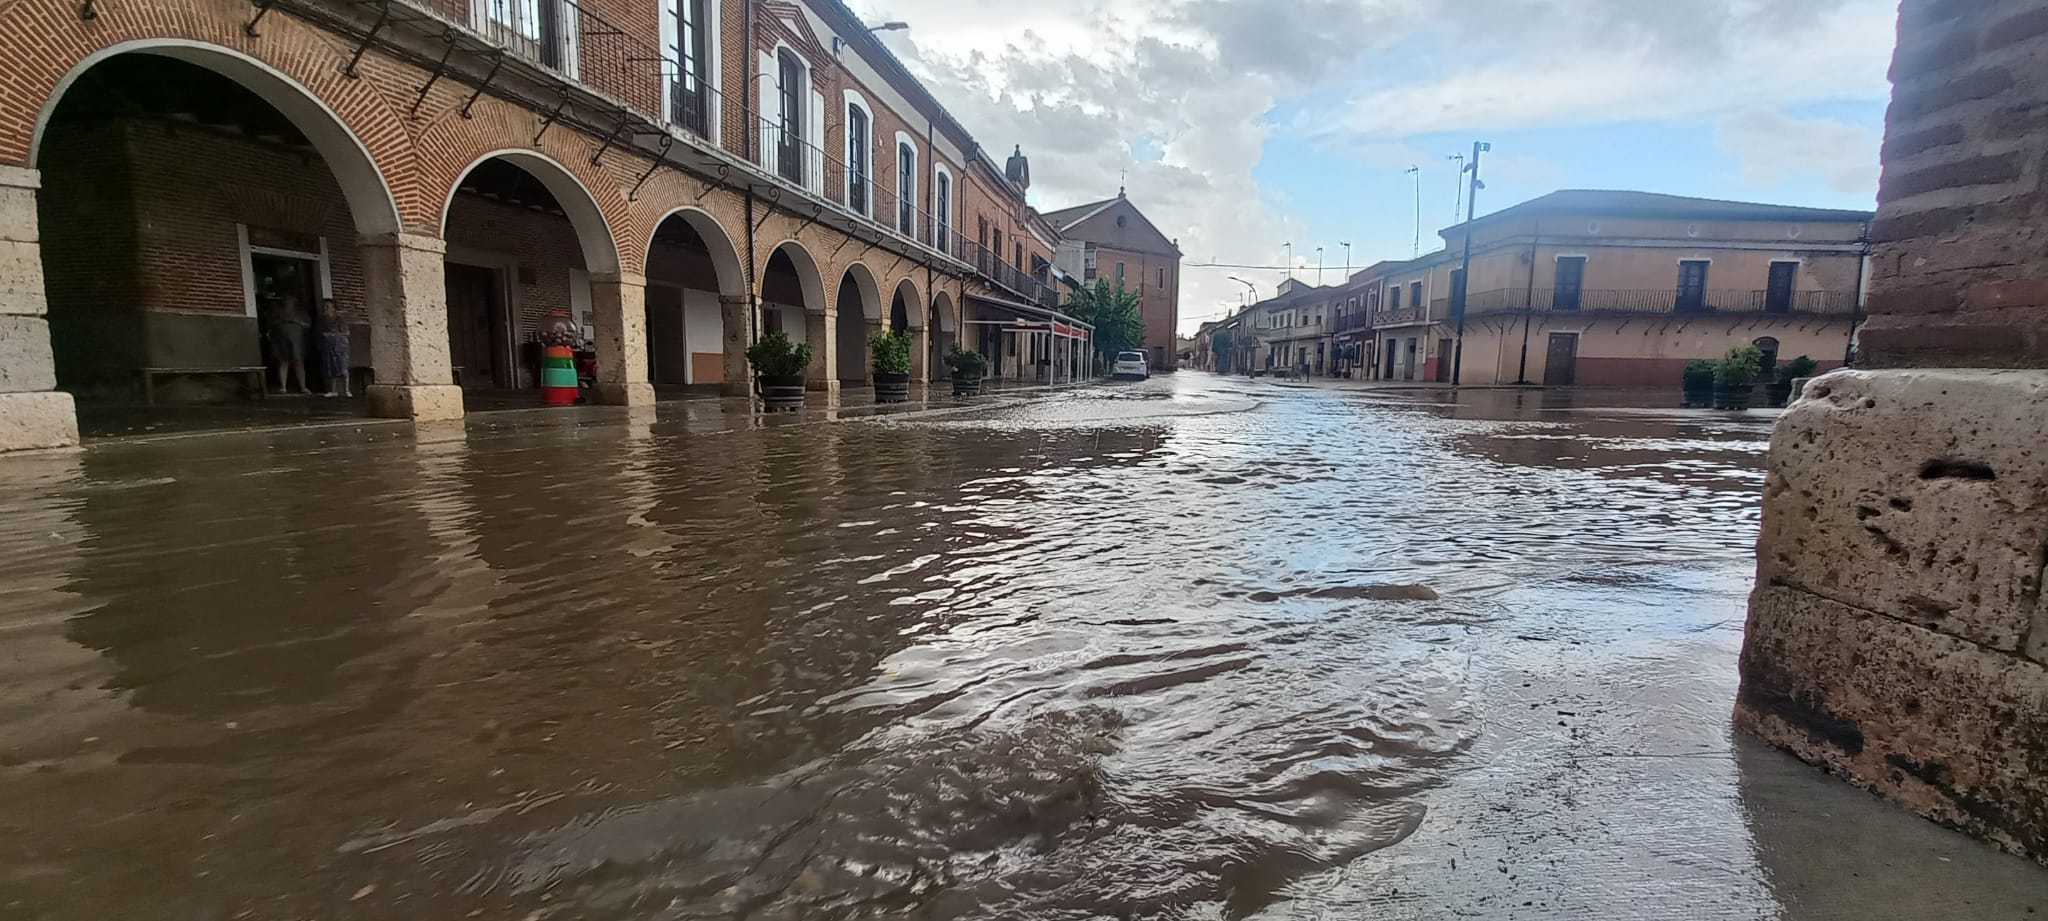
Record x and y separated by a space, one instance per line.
1197 647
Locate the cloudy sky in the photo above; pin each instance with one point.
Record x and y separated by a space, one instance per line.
1245 125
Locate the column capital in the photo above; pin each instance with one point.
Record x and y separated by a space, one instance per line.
735 300
417 242
628 279
20 177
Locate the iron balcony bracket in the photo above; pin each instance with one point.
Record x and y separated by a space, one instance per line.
497 64
263 8
625 119
718 182
383 16
553 116
440 69
86 11
660 157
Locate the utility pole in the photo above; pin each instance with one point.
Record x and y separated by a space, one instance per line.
1464 285
1347 258
1290 258
1458 204
1416 171
1319 266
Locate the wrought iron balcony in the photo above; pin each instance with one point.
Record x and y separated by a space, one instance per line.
1654 302
991 267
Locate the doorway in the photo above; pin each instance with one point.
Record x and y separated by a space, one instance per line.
668 348
1387 369
1778 290
1561 367
1408 367
475 314
1444 359
287 292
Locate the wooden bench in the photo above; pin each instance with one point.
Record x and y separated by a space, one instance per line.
253 373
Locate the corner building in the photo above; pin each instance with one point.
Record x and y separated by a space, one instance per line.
665 179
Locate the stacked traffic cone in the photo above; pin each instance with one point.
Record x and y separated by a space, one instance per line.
558 375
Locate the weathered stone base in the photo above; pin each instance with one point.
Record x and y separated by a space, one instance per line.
1897 628
827 387
731 388
419 402
41 419
623 394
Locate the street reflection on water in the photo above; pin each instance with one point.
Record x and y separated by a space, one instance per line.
1196 647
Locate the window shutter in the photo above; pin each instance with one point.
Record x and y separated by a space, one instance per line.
770 109
814 132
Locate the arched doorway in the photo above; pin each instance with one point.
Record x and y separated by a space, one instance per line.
1769 347
860 316
530 260
197 211
693 275
907 314
944 332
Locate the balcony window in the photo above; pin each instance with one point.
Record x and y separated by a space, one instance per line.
1394 297
541 31
906 189
1570 289
1415 294
1692 284
857 148
686 36
942 209
789 94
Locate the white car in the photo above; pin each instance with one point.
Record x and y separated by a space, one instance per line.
1130 365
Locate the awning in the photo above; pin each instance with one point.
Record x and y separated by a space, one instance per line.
1017 315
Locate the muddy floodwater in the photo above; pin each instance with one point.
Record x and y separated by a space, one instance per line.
1195 647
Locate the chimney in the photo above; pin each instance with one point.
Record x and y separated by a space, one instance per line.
1018 170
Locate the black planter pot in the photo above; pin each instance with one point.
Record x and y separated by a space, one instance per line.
1733 397
892 388
783 393
1780 392
1699 394
966 386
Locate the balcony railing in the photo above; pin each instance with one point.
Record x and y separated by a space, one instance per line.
787 154
567 37
1666 301
1401 317
1356 320
991 267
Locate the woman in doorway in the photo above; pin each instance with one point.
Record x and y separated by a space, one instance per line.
288 342
334 349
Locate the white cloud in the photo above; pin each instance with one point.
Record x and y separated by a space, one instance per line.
1771 147
1077 82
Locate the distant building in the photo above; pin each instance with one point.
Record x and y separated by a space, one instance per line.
1616 289
1113 240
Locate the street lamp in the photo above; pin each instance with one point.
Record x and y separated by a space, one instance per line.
1254 289
890 26
1319 266
1464 283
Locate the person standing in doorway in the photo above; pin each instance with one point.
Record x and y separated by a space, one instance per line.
334 359
288 342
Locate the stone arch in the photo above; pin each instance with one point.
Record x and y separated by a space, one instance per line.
453 146
871 306
913 313
593 231
725 257
370 200
808 275
946 316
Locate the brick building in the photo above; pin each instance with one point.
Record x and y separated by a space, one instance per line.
1114 240
181 180
1617 289
1897 634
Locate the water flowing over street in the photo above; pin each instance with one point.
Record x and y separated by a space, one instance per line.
1196 647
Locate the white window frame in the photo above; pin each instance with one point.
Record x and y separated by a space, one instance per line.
854 100
480 19
942 207
903 140
714 63
248 251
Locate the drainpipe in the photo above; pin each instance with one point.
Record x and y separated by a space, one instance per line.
1856 308
753 136
1528 307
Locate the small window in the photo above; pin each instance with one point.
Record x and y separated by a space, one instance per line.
1162 278
1119 274
1394 298
1415 293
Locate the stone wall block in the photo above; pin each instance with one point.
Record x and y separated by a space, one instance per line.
25 360
21 279
1949 729
1920 495
45 419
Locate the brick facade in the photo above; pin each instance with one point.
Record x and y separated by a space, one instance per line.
1959 278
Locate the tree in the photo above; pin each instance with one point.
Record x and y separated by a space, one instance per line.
1113 312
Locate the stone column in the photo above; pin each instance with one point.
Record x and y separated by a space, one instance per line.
33 413
735 314
618 304
867 364
920 354
406 292
821 330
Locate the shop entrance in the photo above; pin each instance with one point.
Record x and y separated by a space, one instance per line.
287 288
475 315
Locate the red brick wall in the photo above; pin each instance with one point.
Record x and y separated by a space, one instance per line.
545 246
1961 236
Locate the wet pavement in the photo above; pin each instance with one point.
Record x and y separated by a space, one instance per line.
1196 647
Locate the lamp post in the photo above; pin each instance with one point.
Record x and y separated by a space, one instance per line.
1416 172
1464 285
1319 266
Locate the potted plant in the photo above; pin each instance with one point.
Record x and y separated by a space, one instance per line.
969 367
1735 377
1792 377
779 370
1699 382
891 351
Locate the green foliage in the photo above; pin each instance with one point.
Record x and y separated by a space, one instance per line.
1699 374
773 355
1113 312
1802 366
967 362
1741 367
891 351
